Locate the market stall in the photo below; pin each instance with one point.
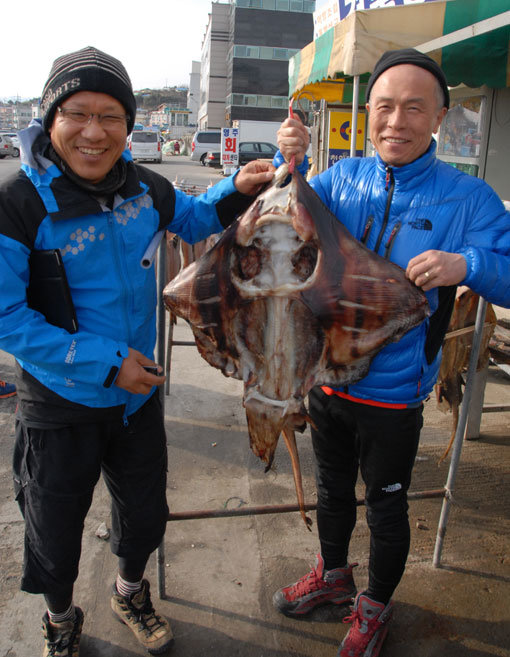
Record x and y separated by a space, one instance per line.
468 38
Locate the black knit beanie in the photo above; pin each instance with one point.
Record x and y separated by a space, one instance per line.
88 69
409 56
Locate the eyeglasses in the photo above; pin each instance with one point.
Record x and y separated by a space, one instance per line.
107 121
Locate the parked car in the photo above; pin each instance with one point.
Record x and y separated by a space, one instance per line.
212 159
6 147
256 150
145 145
248 151
203 141
15 141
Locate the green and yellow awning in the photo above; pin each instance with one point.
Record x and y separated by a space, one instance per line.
325 67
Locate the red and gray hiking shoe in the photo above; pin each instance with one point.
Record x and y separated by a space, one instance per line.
369 628
315 589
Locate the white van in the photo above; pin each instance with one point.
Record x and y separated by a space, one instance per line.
145 145
203 141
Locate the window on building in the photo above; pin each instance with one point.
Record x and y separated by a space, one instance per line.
279 102
264 52
247 51
263 101
275 102
307 6
280 53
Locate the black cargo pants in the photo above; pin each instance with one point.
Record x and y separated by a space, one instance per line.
381 443
55 472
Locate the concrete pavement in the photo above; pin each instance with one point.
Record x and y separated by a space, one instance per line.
220 574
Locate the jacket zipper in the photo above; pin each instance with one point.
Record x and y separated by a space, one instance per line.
390 186
368 228
127 295
389 244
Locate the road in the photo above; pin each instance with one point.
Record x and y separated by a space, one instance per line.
179 168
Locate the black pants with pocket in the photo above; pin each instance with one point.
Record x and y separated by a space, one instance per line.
55 472
381 443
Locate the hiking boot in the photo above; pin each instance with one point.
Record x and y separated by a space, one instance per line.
7 389
62 639
152 631
369 628
316 588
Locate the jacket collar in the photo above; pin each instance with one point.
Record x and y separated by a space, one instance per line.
419 168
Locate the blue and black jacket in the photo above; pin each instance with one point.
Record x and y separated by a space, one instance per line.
102 248
400 212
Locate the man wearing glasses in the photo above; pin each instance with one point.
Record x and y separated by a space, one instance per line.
86 403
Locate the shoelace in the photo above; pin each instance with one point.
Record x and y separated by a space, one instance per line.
360 636
308 582
61 643
146 616
363 629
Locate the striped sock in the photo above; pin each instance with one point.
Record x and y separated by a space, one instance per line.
62 617
125 588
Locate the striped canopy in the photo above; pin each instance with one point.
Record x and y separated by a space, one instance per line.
324 68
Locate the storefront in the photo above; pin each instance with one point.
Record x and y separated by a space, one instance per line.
468 38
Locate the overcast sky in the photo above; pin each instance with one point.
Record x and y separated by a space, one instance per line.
155 40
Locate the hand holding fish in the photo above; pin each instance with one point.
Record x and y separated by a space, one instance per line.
133 378
293 139
436 268
253 176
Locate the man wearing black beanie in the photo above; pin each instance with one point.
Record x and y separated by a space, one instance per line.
76 222
445 228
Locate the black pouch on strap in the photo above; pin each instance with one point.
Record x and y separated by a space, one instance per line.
48 290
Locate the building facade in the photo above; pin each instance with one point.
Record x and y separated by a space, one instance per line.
213 69
245 53
174 120
194 93
15 116
262 41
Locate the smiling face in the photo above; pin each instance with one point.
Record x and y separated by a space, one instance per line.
405 109
89 149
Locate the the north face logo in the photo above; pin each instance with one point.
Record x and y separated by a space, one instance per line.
422 224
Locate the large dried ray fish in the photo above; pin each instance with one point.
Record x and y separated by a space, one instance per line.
288 299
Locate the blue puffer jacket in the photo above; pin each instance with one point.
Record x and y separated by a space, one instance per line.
114 296
400 212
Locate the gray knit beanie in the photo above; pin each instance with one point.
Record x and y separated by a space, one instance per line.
88 69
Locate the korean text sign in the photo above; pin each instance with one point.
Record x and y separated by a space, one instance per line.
230 146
